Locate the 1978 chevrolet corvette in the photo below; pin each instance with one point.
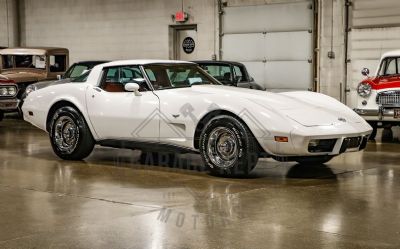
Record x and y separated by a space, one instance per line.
176 106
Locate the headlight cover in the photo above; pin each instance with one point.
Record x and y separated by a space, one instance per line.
29 89
364 89
8 91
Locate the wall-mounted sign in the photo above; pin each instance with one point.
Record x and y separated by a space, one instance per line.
181 16
188 45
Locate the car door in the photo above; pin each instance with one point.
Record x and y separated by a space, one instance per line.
117 114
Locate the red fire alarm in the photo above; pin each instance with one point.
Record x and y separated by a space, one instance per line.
181 16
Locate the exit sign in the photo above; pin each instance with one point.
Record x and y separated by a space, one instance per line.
181 16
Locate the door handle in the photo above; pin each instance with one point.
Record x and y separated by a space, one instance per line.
97 89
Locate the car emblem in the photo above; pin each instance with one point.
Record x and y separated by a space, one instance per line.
342 119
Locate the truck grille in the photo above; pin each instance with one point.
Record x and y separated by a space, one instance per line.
388 98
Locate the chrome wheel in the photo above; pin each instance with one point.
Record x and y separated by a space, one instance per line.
222 147
66 134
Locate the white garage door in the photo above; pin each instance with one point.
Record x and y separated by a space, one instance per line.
274 41
375 29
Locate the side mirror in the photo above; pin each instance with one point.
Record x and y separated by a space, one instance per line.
365 72
133 87
59 77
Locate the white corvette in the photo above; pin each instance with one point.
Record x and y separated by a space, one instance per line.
165 106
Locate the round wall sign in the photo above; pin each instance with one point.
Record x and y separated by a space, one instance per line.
188 45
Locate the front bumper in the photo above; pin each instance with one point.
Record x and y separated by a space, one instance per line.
9 104
380 114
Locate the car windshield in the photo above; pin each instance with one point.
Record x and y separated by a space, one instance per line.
24 61
221 72
81 78
167 76
76 70
390 66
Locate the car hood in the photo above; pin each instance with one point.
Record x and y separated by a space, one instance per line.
47 83
22 76
293 107
383 82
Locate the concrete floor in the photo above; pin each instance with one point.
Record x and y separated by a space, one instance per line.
111 201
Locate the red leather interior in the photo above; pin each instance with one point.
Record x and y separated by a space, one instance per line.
114 87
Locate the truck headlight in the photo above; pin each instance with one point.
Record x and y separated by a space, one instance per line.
8 91
364 89
29 89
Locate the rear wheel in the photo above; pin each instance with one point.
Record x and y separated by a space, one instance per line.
70 136
1 115
228 148
314 160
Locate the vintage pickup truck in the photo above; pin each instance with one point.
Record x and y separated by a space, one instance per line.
379 94
24 66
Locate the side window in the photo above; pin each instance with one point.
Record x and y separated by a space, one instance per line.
115 78
7 61
57 63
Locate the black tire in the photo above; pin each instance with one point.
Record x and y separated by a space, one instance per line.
314 160
374 131
1 115
237 156
70 135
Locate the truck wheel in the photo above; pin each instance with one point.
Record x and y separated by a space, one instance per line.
228 148
70 136
1 115
314 160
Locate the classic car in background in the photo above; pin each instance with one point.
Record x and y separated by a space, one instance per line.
174 105
230 73
8 92
78 71
379 94
25 66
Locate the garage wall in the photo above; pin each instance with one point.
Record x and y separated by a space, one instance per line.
119 29
331 71
8 23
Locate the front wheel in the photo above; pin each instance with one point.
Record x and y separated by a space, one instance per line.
70 136
314 160
228 148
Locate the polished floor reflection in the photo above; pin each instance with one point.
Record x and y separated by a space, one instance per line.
112 201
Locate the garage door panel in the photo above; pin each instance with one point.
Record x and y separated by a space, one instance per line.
243 47
259 18
372 13
289 46
256 70
288 75
273 41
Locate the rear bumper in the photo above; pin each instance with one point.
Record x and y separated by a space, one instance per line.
9 104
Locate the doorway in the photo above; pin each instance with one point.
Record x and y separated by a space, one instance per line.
184 42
